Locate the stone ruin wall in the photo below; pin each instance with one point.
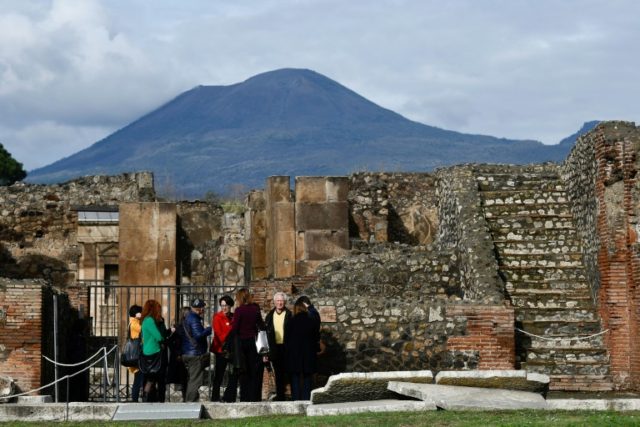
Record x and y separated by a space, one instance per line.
38 226
579 173
393 207
405 306
601 173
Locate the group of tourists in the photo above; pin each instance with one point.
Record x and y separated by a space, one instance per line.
180 354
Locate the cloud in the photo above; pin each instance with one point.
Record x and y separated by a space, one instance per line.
512 68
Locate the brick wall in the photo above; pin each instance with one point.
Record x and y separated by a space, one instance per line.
489 331
618 251
264 290
20 336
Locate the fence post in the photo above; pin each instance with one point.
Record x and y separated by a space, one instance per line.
55 344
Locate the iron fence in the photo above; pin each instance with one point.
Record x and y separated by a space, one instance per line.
108 306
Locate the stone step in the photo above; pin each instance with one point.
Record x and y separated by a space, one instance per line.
554 367
581 383
566 328
578 286
568 355
540 274
539 171
555 314
558 210
569 343
513 235
540 260
539 247
530 197
546 300
528 223
504 182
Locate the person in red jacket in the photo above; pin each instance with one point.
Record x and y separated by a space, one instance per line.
221 322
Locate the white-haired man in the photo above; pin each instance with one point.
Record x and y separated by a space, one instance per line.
276 322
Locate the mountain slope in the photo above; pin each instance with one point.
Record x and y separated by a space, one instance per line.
283 122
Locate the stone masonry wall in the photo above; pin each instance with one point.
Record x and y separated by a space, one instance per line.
465 231
579 173
198 241
393 207
38 226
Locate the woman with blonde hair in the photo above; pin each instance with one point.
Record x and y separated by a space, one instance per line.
135 314
152 363
247 320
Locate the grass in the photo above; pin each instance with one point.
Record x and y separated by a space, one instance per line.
431 419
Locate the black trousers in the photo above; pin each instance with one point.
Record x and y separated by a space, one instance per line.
251 372
230 392
280 372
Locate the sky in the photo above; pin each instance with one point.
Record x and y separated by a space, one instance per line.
74 71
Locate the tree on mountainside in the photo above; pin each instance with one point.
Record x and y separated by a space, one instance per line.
10 169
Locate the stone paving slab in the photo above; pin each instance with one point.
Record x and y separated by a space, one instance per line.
158 411
216 410
365 386
502 379
469 398
386 405
594 404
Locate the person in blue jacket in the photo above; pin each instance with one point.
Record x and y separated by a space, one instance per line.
195 349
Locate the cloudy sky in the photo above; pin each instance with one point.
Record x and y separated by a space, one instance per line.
74 71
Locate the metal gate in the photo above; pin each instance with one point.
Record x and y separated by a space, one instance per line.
108 306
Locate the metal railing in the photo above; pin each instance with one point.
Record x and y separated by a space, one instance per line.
108 306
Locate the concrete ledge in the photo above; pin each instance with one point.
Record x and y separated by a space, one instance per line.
594 404
365 386
78 411
215 410
501 379
387 405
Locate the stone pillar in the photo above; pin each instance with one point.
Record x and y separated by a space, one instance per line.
321 221
281 236
256 235
147 253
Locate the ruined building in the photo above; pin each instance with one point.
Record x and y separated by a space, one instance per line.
470 267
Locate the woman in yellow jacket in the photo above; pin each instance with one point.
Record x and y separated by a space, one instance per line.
135 314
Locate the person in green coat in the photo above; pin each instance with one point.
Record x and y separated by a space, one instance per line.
152 362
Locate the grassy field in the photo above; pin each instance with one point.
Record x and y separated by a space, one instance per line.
432 419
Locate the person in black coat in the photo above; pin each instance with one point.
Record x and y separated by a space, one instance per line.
301 348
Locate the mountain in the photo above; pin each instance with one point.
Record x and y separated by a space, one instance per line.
285 122
571 139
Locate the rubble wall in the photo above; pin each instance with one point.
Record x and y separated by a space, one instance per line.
38 226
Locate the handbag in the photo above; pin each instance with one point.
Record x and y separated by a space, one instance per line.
262 343
130 351
150 364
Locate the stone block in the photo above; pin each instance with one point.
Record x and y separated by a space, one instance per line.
363 386
322 216
450 397
387 405
337 188
311 189
253 409
284 216
278 189
285 264
7 386
503 379
323 244
307 268
34 400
